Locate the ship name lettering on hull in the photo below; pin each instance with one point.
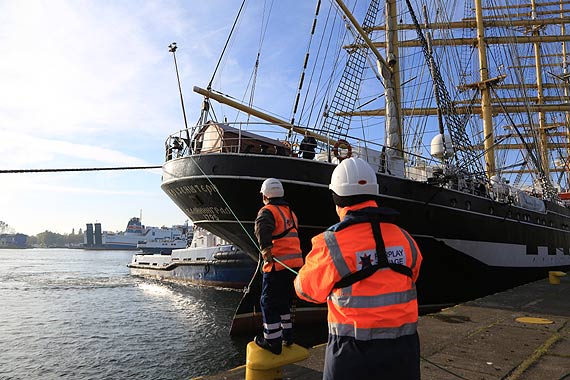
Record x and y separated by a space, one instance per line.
193 189
208 213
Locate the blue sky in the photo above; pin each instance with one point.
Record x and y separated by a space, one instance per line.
90 83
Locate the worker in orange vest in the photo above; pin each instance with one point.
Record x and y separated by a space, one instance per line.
276 231
365 268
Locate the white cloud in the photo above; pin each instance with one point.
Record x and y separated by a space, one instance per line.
91 83
25 150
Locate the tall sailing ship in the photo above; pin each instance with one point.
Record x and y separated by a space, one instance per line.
463 111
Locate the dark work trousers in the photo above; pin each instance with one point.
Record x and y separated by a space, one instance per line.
347 358
277 294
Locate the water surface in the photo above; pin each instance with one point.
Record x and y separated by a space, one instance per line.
80 315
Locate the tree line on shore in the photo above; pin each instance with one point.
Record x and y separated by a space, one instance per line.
53 239
47 238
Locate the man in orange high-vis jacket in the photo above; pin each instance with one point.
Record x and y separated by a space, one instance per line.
276 231
365 268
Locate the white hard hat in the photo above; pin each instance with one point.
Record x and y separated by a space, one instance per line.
353 176
272 188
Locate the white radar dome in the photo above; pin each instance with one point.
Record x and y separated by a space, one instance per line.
441 146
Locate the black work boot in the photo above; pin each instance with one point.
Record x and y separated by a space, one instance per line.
263 343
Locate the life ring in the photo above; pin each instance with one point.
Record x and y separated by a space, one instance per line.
342 145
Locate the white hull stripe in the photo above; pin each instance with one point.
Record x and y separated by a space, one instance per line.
508 255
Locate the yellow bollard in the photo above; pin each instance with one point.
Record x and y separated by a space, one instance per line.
261 364
554 277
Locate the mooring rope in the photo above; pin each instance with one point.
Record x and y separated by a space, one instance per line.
239 221
78 169
56 170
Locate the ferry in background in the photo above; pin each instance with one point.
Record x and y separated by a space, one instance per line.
209 260
134 234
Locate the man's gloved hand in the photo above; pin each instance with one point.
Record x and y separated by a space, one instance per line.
266 254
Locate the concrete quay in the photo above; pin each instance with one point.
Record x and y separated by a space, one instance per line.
484 339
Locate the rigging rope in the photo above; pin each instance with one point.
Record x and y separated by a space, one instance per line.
253 78
456 125
548 190
237 219
226 44
326 79
346 93
305 63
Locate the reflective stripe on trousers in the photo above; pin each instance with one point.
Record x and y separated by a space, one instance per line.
276 299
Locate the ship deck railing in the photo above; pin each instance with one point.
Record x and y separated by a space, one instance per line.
253 138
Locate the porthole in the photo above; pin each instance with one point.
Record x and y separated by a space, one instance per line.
468 205
453 202
491 210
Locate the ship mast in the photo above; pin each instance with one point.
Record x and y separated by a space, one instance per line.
566 167
543 138
394 133
389 70
486 109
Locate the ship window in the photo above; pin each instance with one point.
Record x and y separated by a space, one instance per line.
509 214
468 205
518 216
454 202
491 210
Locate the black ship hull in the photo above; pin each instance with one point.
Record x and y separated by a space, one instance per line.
472 246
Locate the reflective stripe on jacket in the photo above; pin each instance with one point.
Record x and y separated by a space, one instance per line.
382 306
285 239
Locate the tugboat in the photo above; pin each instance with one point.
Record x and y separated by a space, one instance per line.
209 261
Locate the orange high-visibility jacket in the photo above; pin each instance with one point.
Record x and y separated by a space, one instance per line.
286 245
382 306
